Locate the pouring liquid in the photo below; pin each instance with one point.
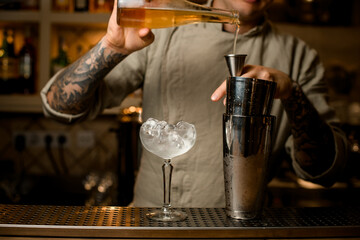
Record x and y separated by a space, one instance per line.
163 18
235 38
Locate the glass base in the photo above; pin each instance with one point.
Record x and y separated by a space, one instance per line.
167 216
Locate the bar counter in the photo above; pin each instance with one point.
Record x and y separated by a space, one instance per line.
107 222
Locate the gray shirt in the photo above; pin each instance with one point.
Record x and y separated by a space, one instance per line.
178 74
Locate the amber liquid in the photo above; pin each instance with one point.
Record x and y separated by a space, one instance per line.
235 38
163 18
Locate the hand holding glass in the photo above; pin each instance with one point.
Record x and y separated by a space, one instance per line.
167 141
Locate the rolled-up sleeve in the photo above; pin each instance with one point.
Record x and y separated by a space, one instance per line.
310 77
113 89
332 174
50 112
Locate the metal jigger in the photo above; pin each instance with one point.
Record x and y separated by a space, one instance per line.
235 63
247 96
247 137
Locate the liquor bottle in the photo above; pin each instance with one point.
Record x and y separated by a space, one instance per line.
81 5
103 6
79 51
62 6
62 59
30 5
27 63
8 63
170 13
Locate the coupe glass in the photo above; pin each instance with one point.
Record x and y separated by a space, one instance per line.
167 141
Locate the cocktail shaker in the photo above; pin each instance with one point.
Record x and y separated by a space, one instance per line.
247 138
247 146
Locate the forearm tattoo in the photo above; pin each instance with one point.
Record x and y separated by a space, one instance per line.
75 85
313 139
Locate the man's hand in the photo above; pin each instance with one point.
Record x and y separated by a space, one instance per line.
126 40
312 137
284 83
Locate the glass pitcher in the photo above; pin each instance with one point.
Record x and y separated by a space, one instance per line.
169 13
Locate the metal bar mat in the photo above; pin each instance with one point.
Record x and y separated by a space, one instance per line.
197 217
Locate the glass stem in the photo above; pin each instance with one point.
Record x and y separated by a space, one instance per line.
167 169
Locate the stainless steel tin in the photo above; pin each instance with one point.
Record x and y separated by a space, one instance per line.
247 146
249 96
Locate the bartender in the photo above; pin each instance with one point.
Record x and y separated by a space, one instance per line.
181 71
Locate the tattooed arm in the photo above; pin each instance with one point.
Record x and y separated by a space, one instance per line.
313 138
75 85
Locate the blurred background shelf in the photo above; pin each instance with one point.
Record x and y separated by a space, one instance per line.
20 103
78 31
20 16
76 18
